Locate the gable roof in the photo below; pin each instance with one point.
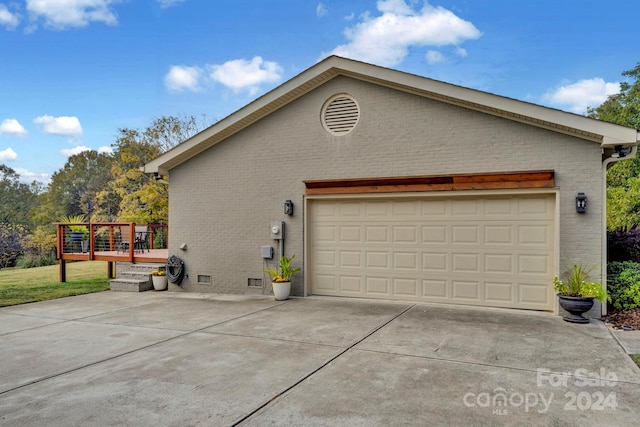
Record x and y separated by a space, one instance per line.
606 134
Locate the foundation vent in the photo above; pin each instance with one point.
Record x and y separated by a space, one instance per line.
340 114
255 283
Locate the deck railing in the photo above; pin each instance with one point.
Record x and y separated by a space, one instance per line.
111 242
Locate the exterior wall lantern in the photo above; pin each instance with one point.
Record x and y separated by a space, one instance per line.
288 207
581 203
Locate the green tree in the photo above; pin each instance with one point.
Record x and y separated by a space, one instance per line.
73 188
623 178
17 199
138 197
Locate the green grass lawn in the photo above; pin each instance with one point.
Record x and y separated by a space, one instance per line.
19 286
636 358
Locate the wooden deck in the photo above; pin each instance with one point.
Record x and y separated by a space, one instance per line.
112 242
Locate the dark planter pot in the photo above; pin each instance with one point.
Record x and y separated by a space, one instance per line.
575 306
76 236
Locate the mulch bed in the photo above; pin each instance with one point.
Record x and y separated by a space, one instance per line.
624 318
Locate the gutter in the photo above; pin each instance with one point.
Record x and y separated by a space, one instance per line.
605 167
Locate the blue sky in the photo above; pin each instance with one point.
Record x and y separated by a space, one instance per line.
72 72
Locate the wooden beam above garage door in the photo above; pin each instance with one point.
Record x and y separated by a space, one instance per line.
479 181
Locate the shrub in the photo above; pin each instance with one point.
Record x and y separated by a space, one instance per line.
623 284
624 245
31 260
11 236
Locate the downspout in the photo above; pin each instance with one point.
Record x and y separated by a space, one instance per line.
605 166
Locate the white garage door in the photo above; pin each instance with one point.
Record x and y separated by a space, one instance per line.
489 251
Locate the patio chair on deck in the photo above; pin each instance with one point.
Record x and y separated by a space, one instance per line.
123 244
142 238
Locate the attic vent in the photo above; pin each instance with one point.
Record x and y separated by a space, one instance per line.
340 114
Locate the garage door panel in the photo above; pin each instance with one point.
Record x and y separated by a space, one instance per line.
499 235
435 289
351 259
464 208
377 210
326 233
405 261
377 260
435 262
378 286
404 209
351 284
466 234
405 287
534 264
404 234
350 234
377 234
500 208
538 234
465 290
325 258
435 209
498 292
499 263
465 262
534 295
434 234
325 283
496 251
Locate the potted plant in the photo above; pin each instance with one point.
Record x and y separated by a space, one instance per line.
576 292
281 277
77 233
159 279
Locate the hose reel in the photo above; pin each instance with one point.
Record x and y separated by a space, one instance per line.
175 270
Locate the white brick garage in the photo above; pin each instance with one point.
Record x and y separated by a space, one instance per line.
489 249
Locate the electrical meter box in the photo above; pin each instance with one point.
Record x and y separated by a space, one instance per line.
277 230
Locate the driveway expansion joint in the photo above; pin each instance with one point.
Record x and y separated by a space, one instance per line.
321 367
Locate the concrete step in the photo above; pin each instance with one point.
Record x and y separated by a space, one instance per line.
131 285
138 275
123 268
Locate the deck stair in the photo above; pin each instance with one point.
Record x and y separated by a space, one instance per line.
133 277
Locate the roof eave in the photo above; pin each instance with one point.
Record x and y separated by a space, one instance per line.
606 134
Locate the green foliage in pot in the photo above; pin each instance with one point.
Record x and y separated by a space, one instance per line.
68 219
158 273
575 283
284 272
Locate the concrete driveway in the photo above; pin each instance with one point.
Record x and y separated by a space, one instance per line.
168 359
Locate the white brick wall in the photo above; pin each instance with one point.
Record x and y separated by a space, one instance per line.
222 201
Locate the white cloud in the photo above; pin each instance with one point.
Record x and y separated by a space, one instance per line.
28 177
63 125
8 19
321 10
105 150
240 74
12 127
582 94
164 4
460 51
386 39
68 152
181 78
433 57
8 155
350 17
62 14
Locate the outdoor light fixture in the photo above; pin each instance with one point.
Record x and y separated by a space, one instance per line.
581 203
288 207
620 152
